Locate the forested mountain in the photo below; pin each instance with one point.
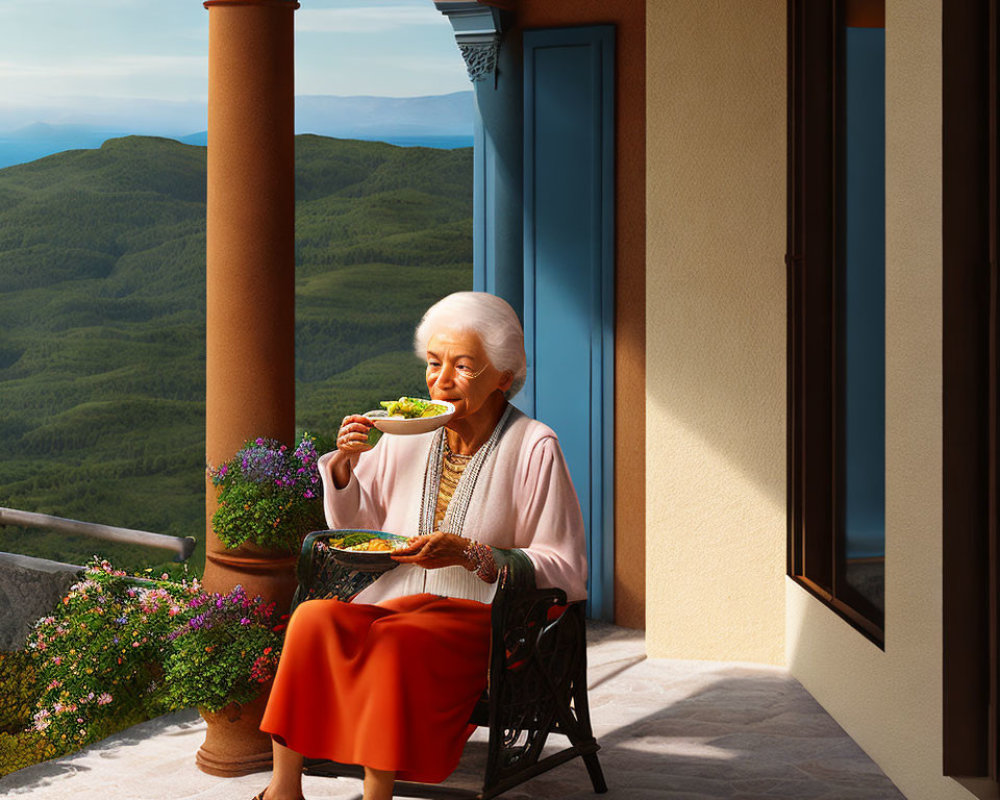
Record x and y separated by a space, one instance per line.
102 316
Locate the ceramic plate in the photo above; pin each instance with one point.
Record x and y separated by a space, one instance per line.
365 560
402 426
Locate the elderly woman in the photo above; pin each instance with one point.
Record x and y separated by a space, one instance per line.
390 679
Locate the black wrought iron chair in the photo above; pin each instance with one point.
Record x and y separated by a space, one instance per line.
537 681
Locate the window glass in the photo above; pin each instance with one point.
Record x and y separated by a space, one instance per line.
863 312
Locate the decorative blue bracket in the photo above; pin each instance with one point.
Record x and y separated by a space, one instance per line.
478 29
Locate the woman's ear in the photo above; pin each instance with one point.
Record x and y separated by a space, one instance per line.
506 380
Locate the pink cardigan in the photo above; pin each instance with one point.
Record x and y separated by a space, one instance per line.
523 499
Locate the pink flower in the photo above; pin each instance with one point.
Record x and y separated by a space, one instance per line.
41 720
104 699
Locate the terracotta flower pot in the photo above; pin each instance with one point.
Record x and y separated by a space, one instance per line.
267 572
234 744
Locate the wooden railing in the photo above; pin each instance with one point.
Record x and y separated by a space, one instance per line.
182 547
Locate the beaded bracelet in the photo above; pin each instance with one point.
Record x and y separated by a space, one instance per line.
479 559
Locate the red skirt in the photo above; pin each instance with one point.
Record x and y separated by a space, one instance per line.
387 686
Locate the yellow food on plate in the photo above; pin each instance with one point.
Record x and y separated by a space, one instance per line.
374 544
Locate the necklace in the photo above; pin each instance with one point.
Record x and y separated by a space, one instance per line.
452 467
465 484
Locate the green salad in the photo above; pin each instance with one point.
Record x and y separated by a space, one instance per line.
412 408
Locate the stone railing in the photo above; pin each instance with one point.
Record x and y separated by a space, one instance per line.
30 587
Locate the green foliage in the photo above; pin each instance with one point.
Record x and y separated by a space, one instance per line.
24 748
268 495
99 655
20 746
19 679
102 294
224 654
118 650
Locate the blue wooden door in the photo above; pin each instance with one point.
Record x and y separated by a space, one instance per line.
569 269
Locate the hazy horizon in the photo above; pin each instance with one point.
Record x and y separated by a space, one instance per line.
62 53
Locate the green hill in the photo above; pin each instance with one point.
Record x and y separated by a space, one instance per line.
102 302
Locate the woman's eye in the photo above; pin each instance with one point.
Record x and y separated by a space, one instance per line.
464 368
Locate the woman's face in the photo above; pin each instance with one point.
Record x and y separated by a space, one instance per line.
459 372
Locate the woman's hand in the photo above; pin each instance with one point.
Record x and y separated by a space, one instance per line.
352 440
353 434
433 551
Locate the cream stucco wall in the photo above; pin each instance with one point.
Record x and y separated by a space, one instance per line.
715 329
890 702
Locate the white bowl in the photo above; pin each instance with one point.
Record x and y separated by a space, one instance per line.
402 426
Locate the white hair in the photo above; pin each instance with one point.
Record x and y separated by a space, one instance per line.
489 317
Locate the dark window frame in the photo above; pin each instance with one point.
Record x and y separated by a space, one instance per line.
815 289
971 392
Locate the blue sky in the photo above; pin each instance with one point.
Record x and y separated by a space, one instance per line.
69 52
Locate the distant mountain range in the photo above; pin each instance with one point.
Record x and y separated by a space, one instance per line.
440 121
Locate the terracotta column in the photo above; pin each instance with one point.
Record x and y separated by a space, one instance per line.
250 335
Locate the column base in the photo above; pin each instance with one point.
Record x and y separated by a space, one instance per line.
228 767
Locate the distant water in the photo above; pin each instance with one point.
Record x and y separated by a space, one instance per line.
439 142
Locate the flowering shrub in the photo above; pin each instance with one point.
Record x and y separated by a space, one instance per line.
224 652
99 654
115 652
19 745
268 495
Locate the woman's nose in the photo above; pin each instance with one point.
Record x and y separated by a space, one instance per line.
446 374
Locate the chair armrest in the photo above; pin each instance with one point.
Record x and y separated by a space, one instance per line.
320 576
520 616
